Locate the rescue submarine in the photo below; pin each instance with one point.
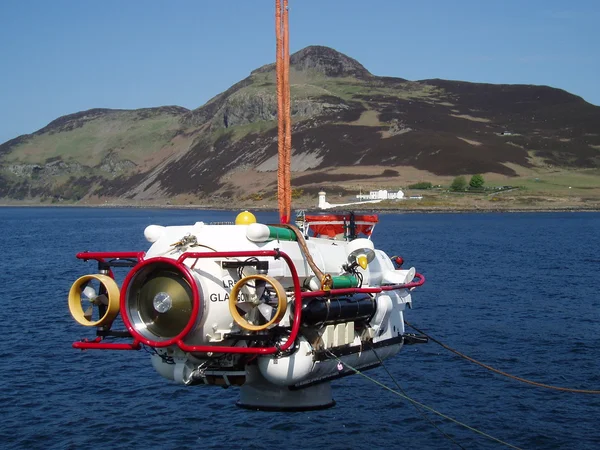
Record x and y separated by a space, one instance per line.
280 310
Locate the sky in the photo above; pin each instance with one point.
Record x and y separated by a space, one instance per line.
59 57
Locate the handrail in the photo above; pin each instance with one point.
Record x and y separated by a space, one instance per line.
187 274
97 344
367 290
276 254
101 256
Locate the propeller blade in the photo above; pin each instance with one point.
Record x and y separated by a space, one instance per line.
88 312
245 306
260 289
271 298
89 292
101 299
253 317
266 311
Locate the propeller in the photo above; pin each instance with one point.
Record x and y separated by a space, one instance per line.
160 301
96 290
94 298
165 303
257 301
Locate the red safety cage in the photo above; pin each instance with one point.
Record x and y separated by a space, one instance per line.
98 343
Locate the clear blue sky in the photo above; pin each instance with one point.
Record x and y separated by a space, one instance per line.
62 56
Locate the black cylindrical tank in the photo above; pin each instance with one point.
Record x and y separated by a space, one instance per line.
325 310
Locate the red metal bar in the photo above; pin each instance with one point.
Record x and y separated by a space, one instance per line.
97 344
368 290
246 253
251 350
101 256
411 285
345 291
178 340
185 271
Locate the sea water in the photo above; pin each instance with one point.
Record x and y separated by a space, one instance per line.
519 292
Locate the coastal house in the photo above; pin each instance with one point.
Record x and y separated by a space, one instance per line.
381 194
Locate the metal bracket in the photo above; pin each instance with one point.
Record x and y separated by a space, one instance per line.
411 338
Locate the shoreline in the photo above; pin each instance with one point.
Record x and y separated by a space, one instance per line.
390 210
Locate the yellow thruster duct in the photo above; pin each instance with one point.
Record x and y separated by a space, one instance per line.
249 299
112 304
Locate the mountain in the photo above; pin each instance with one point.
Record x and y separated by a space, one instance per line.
351 130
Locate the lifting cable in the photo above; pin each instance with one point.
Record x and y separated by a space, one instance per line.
500 372
284 122
421 405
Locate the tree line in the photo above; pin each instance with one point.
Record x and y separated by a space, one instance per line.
460 183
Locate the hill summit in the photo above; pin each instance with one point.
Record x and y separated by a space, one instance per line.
324 60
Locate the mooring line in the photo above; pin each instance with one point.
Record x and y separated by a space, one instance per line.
415 402
420 411
500 372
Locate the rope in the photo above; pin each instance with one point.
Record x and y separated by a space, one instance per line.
284 136
415 402
420 411
302 244
500 372
287 114
280 120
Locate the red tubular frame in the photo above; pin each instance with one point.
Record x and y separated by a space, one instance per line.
179 263
97 344
250 350
101 256
185 271
369 290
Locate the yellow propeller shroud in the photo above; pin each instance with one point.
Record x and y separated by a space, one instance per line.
252 302
112 306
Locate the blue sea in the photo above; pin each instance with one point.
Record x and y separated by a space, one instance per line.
520 292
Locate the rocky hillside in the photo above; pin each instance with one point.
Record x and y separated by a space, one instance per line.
350 129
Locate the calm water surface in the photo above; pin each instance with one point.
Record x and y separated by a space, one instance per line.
517 291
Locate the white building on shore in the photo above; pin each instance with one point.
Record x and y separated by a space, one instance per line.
381 194
371 197
324 204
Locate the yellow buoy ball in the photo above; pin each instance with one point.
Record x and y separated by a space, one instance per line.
245 218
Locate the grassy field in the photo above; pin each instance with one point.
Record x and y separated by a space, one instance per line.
132 139
540 191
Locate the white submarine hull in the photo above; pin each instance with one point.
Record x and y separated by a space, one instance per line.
273 309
